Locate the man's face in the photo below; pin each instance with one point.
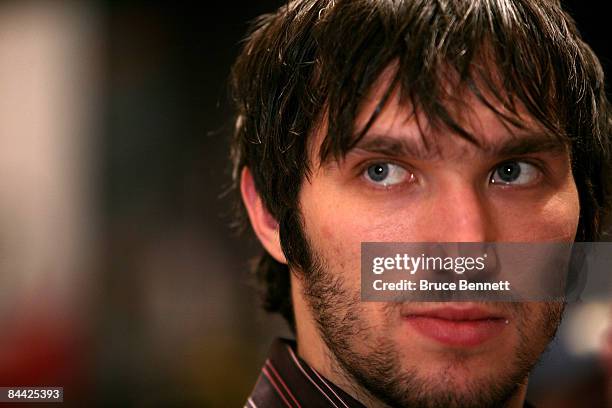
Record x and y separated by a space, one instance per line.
393 188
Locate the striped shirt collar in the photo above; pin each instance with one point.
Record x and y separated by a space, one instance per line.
287 381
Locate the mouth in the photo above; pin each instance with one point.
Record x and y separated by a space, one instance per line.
457 326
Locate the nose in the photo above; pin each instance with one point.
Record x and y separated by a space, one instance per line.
459 213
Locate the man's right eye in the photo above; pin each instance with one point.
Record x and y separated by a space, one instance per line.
386 174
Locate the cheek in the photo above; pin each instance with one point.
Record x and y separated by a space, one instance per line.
540 321
336 226
336 238
554 218
344 220
563 213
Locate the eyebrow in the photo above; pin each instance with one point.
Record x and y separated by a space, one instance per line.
393 146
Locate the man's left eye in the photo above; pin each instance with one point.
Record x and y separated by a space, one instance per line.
386 174
515 173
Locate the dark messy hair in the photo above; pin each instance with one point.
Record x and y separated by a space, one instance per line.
314 60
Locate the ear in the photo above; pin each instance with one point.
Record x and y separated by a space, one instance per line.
263 223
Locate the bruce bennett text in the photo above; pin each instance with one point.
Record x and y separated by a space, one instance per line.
425 285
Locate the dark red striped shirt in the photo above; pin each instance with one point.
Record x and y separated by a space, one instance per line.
287 381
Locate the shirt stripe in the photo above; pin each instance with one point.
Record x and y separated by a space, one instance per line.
273 382
286 381
307 376
271 366
330 388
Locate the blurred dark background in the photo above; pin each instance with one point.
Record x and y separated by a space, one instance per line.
120 276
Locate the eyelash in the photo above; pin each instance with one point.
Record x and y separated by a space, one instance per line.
540 167
532 161
362 168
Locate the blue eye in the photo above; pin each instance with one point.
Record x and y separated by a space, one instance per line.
386 174
514 173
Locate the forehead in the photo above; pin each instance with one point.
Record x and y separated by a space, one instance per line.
484 118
